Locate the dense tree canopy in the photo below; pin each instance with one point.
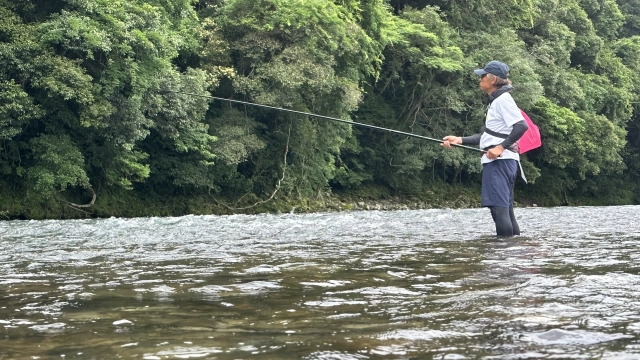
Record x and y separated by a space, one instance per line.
105 96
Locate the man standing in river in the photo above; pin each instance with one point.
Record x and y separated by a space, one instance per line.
504 126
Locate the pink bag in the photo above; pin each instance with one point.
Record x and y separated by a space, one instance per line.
531 138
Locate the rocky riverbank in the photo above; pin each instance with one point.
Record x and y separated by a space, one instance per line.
129 204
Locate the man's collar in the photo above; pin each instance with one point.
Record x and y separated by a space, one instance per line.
494 95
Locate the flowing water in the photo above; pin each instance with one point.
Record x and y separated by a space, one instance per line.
427 284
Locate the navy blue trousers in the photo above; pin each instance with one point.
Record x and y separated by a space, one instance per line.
498 181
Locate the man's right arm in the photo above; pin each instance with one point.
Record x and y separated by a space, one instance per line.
472 140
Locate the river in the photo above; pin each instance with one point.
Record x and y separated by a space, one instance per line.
423 284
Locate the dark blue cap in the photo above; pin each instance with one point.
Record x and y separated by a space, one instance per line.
496 68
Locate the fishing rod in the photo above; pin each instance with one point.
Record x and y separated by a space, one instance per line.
328 118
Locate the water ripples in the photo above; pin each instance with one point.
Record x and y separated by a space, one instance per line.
351 285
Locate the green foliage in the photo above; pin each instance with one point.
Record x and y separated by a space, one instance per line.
581 144
605 16
587 43
57 165
112 95
238 137
628 50
418 91
99 72
309 56
16 110
486 15
550 40
631 11
326 31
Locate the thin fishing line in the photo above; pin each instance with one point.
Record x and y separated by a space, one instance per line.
327 118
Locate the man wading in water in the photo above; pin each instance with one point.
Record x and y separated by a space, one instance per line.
504 126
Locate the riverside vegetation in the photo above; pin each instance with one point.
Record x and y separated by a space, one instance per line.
94 120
